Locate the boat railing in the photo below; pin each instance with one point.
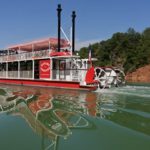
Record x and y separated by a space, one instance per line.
3 74
66 75
25 56
3 58
75 74
26 74
41 54
69 74
12 74
15 74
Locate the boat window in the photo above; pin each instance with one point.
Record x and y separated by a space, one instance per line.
3 67
3 52
12 66
54 64
62 65
68 64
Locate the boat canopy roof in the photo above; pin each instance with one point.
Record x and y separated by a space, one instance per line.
42 44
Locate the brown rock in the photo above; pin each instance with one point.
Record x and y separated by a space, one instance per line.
140 75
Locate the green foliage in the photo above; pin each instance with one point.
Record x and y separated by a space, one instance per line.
129 50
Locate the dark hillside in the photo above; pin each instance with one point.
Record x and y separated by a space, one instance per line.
129 50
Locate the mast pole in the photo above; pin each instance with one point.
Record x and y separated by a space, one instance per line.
59 25
73 31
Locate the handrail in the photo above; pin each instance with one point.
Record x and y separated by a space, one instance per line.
25 56
67 75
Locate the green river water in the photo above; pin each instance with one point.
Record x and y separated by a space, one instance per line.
53 119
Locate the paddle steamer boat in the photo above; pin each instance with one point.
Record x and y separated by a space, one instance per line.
47 62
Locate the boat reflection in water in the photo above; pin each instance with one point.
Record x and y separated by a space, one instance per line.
50 113
115 115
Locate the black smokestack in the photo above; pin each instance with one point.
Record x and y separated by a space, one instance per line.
59 25
73 31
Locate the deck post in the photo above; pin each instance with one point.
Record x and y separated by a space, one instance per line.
19 64
50 68
32 61
49 45
6 69
7 64
18 69
33 69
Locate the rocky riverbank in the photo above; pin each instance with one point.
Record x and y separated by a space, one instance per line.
140 75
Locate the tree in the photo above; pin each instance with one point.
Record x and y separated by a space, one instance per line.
129 50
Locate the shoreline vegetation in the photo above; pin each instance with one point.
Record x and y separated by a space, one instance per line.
129 51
